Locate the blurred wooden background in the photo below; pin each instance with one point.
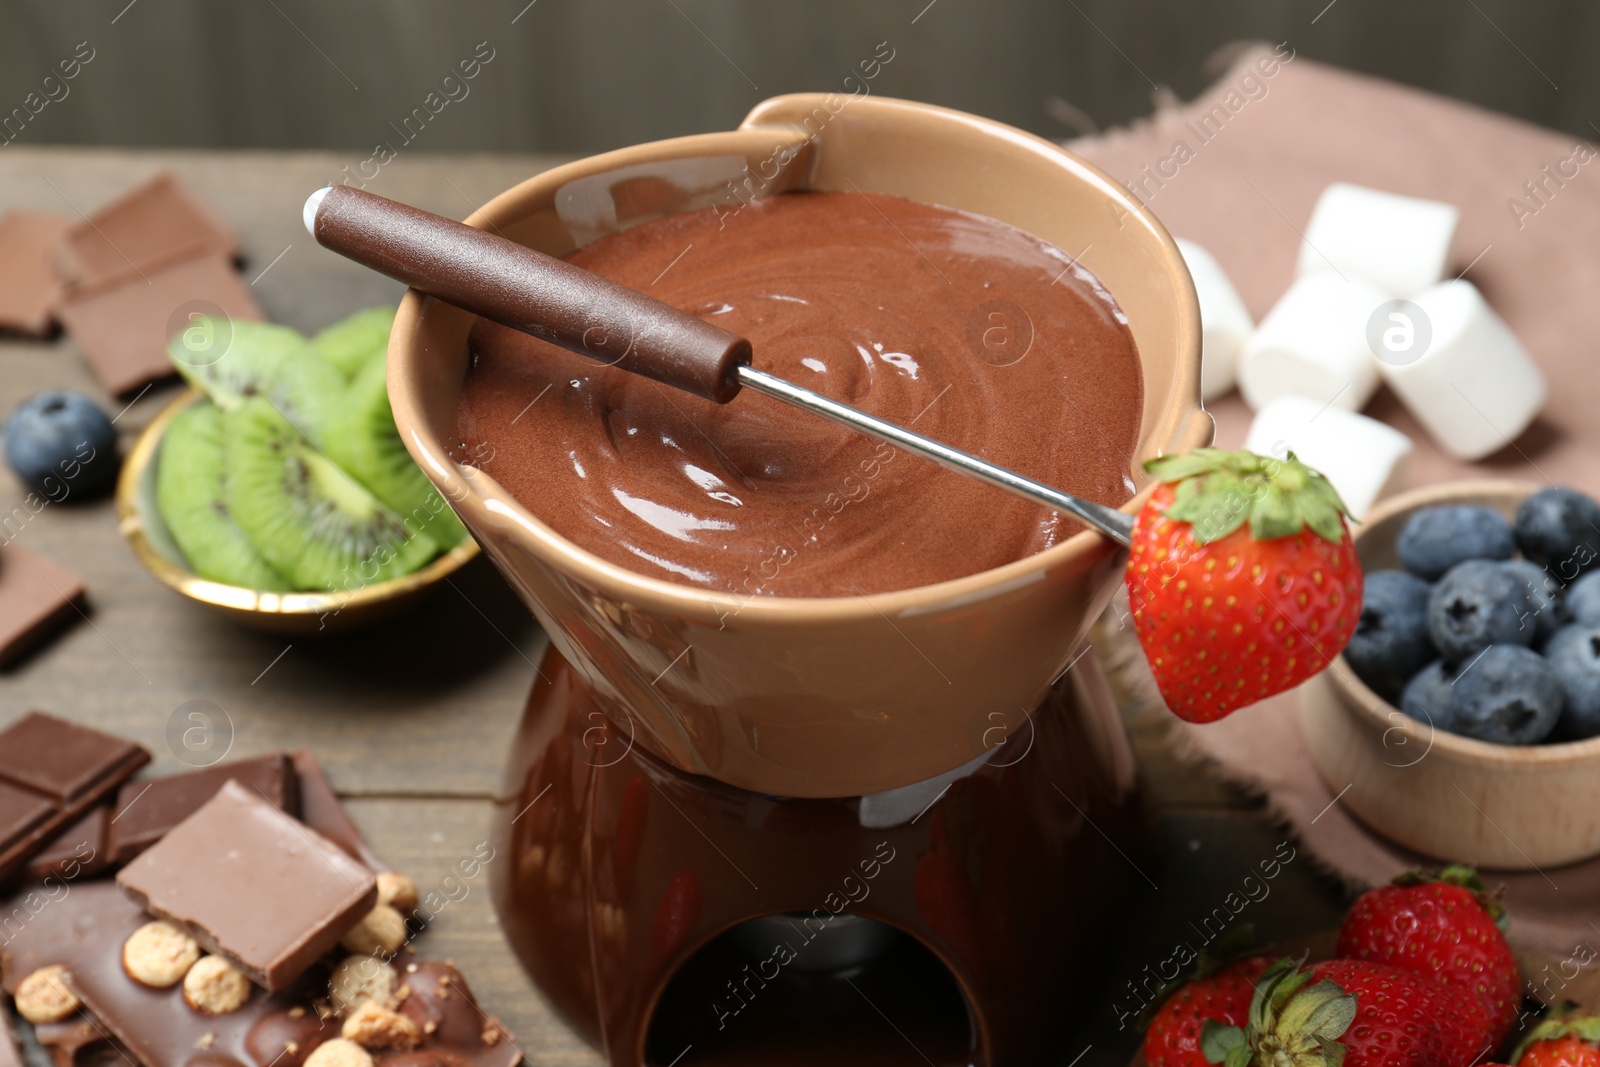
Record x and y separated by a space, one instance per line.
582 75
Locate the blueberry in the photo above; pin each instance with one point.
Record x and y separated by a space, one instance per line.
1574 654
1559 529
1545 611
1477 604
1582 601
1391 641
62 446
1427 697
1509 695
1435 539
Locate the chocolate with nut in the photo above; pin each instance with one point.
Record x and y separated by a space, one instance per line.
253 885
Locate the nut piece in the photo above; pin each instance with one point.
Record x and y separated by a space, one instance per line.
373 1026
214 986
360 979
382 932
397 891
43 996
159 955
339 1053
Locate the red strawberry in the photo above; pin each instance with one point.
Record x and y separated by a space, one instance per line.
1241 577
1443 924
1352 1013
1224 996
1565 1039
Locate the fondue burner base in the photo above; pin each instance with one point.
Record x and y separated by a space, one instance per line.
673 920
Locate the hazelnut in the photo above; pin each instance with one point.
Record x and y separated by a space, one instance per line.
382 932
43 996
491 1033
360 979
397 891
373 1026
214 986
339 1053
159 955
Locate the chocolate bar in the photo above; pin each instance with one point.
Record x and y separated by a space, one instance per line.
51 773
36 597
123 326
320 809
157 221
30 288
45 926
75 853
146 811
253 885
82 1042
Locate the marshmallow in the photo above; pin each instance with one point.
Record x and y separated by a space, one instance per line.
1313 343
1363 458
1461 370
1225 325
1397 243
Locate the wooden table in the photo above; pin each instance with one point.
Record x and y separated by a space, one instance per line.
418 753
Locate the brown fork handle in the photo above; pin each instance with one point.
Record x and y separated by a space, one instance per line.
529 291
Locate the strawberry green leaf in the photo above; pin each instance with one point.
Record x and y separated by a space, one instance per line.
1218 1042
1216 492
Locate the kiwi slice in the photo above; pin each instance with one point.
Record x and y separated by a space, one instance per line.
351 343
190 483
232 360
363 440
305 515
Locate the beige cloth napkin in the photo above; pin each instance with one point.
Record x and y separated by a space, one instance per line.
1243 185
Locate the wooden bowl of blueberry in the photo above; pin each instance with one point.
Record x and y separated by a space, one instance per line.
1463 720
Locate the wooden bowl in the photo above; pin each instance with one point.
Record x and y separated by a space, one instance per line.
301 614
1449 797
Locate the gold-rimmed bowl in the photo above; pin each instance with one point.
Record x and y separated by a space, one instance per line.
1510 807
301 614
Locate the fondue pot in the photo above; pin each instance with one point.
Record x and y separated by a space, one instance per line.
739 828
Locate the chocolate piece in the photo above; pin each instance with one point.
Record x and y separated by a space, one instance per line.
159 220
77 852
82 1042
51 773
37 596
253 885
146 811
60 924
454 1028
123 326
30 288
320 809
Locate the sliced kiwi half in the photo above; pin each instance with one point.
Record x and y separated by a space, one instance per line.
191 482
304 515
352 343
234 360
364 440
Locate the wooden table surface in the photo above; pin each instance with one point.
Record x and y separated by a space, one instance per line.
416 750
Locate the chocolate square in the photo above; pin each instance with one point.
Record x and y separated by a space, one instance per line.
37 596
146 811
253 885
77 852
157 221
61 769
30 287
123 326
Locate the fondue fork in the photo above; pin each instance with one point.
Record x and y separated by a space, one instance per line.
582 312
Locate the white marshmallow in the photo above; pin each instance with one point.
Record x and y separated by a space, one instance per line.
1364 459
1397 243
1313 343
1225 325
1471 383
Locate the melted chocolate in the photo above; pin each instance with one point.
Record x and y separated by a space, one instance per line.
975 333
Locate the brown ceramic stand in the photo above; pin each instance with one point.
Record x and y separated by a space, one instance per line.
624 878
